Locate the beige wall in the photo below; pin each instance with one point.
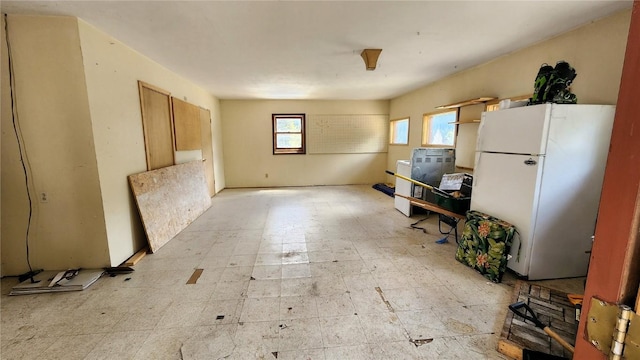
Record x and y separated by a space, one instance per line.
596 51
79 111
247 136
112 71
53 112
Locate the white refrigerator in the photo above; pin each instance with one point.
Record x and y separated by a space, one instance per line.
541 169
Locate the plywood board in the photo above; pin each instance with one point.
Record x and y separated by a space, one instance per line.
186 120
347 134
155 105
169 199
207 149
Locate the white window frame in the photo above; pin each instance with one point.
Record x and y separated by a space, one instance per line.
284 151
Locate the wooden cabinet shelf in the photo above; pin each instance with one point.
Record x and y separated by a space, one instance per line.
465 122
474 101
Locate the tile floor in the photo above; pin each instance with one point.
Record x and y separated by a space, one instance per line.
301 273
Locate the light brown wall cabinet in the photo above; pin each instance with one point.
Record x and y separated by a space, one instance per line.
186 120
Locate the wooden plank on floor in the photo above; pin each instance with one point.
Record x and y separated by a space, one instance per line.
510 349
194 277
136 257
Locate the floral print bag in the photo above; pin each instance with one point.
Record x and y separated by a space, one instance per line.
485 243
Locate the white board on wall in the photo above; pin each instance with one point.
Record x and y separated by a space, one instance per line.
347 134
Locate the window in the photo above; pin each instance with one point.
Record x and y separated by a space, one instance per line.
399 132
288 134
438 129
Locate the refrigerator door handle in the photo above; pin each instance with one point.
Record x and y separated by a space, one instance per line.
530 162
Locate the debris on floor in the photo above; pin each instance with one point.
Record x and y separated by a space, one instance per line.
386 189
419 342
114 271
195 276
58 281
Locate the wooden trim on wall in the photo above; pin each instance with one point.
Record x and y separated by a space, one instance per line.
153 87
207 149
614 269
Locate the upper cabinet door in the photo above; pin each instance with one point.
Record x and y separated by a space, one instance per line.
155 105
520 130
186 119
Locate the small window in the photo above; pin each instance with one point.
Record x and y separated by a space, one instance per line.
399 132
439 129
288 134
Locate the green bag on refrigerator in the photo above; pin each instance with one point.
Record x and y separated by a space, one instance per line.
485 244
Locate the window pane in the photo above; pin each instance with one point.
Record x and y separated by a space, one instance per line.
441 132
288 141
288 125
400 132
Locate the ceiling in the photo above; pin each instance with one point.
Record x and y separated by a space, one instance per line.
311 49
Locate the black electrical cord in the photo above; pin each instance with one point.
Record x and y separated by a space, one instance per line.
413 226
14 118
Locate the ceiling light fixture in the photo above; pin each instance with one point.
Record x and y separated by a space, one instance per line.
370 57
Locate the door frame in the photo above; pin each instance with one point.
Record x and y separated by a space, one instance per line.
614 270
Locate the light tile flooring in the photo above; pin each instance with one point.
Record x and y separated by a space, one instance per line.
297 273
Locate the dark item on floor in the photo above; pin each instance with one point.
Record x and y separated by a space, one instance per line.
537 355
485 244
452 223
523 310
553 309
112 271
384 188
29 275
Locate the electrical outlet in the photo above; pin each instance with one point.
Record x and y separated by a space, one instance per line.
44 197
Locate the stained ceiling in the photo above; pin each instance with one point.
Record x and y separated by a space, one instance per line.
311 49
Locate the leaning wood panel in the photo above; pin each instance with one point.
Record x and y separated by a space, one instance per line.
155 105
186 120
169 199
